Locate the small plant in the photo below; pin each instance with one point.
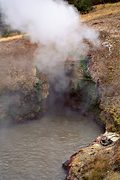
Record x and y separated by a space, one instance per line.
83 6
38 90
6 33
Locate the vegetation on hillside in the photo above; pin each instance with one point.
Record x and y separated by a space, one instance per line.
85 6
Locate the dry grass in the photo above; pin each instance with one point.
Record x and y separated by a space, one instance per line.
101 11
11 38
98 12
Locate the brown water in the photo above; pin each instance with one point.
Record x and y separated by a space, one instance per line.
36 150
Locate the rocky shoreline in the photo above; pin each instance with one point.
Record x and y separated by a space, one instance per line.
101 159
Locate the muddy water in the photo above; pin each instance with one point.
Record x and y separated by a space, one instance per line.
36 150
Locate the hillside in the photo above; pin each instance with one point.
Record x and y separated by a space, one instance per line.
101 160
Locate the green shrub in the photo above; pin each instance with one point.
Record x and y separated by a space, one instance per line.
95 2
85 6
5 33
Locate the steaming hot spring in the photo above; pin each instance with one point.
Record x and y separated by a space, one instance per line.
37 83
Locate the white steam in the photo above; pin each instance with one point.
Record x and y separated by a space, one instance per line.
53 24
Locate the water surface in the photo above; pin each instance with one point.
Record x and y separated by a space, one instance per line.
36 150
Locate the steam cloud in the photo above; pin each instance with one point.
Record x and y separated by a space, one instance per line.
53 24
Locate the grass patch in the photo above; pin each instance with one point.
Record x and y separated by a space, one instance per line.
101 11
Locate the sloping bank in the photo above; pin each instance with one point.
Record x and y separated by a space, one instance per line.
23 91
101 160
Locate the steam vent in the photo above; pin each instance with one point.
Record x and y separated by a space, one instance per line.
59 90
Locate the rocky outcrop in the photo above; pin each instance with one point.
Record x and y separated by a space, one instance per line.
83 92
100 160
23 90
105 69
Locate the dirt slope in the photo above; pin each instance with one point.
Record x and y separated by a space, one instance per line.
105 67
101 160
